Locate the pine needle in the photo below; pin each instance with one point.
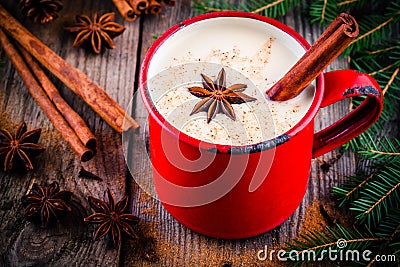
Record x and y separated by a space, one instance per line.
346 2
384 69
390 82
377 28
383 198
323 10
347 193
385 153
359 186
258 10
381 51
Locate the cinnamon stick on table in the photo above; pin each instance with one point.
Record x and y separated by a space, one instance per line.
73 78
127 11
154 7
44 102
168 2
77 124
340 33
139 5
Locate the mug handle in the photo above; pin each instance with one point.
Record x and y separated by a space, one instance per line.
341 84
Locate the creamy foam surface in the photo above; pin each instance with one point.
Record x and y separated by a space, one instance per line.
251 52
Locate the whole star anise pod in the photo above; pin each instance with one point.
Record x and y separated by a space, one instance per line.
46 204
111 218
41 11
217 98
97 33
19 148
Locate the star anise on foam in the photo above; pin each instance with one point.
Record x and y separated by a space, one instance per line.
41 11
97 33
111 217
217 98
18 148
46 204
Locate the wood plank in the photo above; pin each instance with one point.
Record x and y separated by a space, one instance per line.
70 242
175 245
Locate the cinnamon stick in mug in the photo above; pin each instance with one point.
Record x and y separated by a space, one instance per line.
333 41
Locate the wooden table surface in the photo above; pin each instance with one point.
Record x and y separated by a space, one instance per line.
163 241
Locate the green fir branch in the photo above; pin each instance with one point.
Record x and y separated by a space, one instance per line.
382 150
205 6
254 6
378 196
373 197
390 226
344 5
269 8
325 11
349 192
376 28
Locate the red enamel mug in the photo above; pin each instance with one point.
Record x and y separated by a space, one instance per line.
238 191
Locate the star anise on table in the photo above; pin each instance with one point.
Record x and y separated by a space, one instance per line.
46 204
18 148
97 33
41 11
111 217
217 98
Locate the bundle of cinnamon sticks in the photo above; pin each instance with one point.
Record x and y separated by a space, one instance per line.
131 9
25 51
